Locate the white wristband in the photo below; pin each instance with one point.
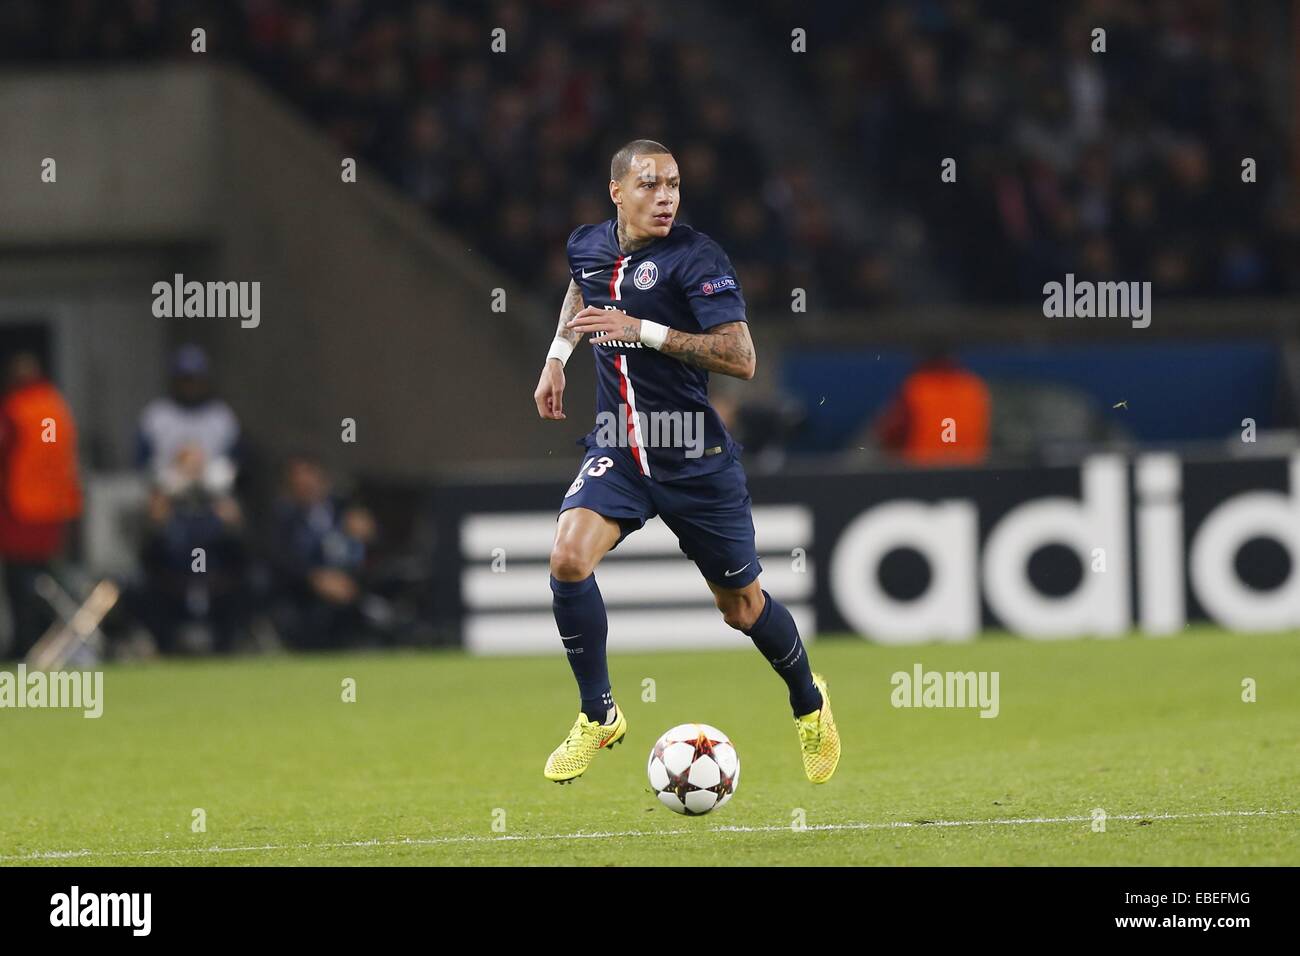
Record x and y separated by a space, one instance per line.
653 334
560 349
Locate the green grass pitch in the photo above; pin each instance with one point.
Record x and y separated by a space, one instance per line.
439 747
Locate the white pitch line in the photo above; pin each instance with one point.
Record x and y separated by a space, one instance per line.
439 841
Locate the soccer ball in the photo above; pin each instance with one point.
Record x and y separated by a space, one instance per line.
694 768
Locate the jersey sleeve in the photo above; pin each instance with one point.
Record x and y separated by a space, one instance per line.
569 247
711 287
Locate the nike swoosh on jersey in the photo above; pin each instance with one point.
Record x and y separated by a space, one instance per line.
588 275
727 574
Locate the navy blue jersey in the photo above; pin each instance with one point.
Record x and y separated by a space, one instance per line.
649 406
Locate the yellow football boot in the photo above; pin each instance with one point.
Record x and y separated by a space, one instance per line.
572 758
818 738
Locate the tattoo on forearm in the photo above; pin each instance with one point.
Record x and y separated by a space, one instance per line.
572 306
726 349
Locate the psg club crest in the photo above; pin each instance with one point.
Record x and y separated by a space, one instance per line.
646 275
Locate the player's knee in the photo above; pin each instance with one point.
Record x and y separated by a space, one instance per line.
740 610
568 563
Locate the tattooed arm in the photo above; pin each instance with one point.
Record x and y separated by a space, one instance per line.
725 348
549 394
572 305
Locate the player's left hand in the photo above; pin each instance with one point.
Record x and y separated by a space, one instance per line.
606 325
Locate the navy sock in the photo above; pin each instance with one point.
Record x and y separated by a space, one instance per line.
580 616
777 638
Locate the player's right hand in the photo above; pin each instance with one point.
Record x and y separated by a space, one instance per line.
549 395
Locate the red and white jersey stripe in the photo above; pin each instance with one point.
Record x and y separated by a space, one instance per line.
635 438
616 279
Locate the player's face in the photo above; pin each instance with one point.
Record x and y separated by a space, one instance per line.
648 195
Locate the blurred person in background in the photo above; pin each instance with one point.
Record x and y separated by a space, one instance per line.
940 415
318 557
39 491
190 416
194 557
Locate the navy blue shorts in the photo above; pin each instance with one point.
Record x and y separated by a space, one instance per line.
709 514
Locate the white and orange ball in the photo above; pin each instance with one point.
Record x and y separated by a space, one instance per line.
694 768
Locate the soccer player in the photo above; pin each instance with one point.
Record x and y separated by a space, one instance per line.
663 309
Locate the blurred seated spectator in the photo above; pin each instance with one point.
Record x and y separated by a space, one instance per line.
194 559
318 557
190 416
940 415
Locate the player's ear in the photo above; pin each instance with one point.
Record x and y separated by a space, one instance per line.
615 191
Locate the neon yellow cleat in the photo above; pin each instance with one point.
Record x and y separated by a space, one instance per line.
818 738
571 759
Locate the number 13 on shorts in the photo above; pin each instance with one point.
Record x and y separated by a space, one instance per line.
603 464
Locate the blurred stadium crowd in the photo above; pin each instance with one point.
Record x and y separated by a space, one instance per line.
1123 167
1122 164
